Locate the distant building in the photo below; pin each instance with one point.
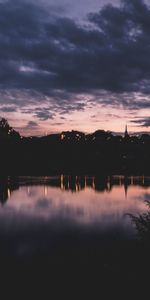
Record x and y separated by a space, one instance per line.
126 134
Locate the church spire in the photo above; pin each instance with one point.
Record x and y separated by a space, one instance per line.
126 132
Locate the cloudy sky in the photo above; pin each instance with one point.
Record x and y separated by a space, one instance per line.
81 65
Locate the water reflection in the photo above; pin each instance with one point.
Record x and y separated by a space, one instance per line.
103 202
70 219
9 184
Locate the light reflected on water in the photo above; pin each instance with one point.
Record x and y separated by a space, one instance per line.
84 200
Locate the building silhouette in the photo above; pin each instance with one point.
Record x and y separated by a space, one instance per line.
126 134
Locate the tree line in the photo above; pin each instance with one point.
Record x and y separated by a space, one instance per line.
73 152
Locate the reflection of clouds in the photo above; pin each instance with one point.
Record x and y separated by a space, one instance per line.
44 203
143 197
33 219
31 191
87 208
147 197
71 212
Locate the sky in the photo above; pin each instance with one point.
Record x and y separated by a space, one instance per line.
82 65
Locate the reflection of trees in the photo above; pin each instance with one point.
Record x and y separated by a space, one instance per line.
99 183
7 186
72 183
142 224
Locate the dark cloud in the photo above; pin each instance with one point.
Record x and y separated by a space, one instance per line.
144 122
54 59
9 108
43 114
31 124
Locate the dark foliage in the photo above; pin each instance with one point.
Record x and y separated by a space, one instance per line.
142 224
73 152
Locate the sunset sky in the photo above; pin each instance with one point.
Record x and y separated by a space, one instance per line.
81 65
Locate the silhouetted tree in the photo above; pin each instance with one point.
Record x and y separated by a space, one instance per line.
6 130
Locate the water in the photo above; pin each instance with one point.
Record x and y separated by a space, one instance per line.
72 232
104 201
37 213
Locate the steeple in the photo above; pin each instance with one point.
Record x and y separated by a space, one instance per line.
126 132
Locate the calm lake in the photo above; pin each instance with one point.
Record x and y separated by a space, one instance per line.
68 225
55 204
